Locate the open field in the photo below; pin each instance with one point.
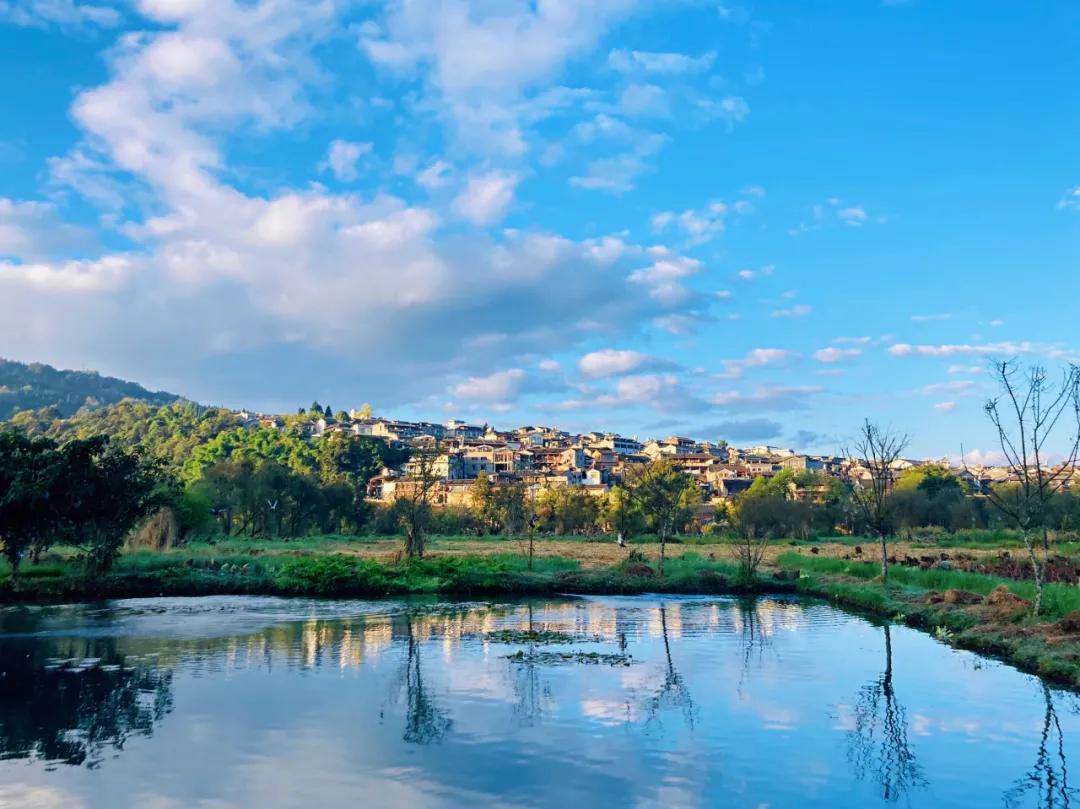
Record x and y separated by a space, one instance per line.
590 551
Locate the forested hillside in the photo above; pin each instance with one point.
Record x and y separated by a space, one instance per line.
35 386
257 479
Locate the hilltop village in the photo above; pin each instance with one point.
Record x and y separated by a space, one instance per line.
544 458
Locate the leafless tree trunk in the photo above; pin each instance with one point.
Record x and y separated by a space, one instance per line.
749 547
1029 414
879 450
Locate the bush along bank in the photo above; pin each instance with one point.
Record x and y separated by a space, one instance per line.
341 576
973 611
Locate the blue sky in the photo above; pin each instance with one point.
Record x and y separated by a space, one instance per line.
760 222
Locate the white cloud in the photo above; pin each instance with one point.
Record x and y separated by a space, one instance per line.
482 64
767 398
834 211
965 369
961 349
832 354
663 278
32 230
854 216
731 110
796 311
930 318
486 197
435 175
978 457
750 275
226 273
78 277
643 388
757 358
62 13
219 270
945 407
699 226
618 174
643 99
612 362
954 386
342 157
499 387
626 61
1071 200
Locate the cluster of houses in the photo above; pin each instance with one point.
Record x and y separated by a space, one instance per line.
547 457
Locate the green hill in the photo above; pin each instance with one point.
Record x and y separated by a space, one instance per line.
35 386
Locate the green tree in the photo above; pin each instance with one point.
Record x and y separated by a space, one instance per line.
512 508
31 470
567 509
621 513
482 501
664 494
105 491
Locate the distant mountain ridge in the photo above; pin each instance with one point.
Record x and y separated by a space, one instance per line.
32 386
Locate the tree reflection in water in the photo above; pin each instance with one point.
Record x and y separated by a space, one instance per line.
672 692
1046 784
532 694
879 746
425 721
76 716
755 640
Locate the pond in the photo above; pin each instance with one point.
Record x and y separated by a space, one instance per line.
637 701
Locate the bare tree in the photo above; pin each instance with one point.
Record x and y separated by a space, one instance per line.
414 503
1029 414
878 450
748 547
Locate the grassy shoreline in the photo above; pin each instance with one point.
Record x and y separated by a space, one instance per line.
346 576
975 611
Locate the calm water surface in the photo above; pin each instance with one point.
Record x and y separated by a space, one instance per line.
238 702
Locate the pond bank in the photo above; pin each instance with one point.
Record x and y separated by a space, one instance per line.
345 576
981 613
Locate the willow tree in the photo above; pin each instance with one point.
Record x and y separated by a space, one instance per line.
878 450
1034 416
